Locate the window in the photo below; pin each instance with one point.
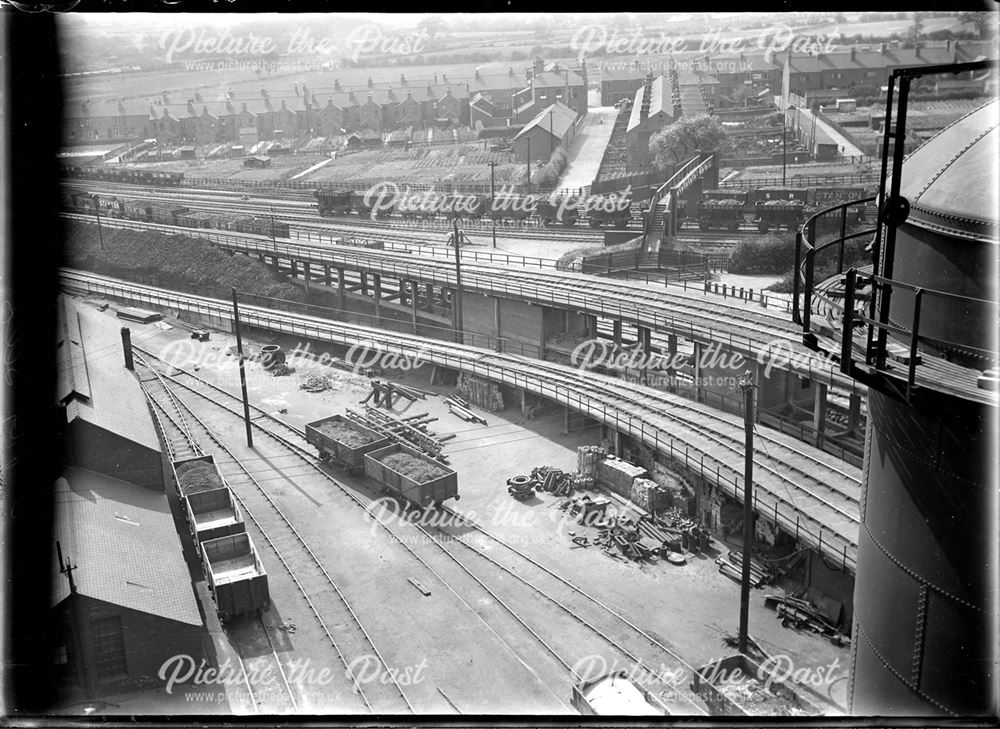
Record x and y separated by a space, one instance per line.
109 647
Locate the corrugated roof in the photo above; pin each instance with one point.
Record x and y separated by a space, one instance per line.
562 119
123 542
116 402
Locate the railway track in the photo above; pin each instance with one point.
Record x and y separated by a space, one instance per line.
305 215
179 423
800 507
626 645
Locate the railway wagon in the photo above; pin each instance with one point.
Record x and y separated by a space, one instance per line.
236 576
334 202
214 514
512 207
439 484
553 211
614 694
767 194
128 175
344 441
199 483
720 213
777 213
610 210
261 226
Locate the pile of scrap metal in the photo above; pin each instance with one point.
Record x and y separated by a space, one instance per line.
543 478
800 614
690 535
731 565
458 406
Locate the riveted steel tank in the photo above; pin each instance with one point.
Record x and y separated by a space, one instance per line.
924 638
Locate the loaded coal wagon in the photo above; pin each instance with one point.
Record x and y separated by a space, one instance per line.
211 508
236 576
341 440
410 475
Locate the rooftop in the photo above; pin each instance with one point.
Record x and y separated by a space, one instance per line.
561 121
123 542
92 379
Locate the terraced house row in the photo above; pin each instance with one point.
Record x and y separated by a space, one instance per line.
498 99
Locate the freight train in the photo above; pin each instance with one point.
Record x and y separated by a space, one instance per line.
233 570
598 210
125 175
114 207
771 207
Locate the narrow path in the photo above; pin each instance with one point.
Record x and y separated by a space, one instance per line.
587 148
847 148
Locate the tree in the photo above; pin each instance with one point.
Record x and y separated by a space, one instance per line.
680 141
431 25
916 29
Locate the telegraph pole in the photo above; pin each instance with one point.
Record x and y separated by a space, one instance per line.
528 162
747 386
457 303
274 243
243 373
552 137
493 194
97 212
784 149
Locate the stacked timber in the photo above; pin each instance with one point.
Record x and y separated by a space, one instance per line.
648 495
618 475
478 391
587 458
458 406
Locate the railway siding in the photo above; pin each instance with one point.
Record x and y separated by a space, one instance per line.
798 504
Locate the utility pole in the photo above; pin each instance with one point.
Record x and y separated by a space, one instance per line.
784 148
457 303
274 243
243 373
97 212
747 386
552 137
528 162
493 194
66 568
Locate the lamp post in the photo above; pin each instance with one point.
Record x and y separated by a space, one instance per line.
493 194
97 212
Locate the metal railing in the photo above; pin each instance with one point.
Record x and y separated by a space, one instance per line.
533 378
806 250
577 298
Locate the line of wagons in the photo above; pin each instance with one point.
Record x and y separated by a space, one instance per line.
773 207
232 567
125 175
115 207
600 211
398 469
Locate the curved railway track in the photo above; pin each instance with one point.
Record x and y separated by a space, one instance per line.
640 412
621 637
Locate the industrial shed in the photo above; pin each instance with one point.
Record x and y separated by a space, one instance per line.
108 428
553 126
130 605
